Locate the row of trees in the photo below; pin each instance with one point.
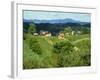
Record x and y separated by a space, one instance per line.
83 30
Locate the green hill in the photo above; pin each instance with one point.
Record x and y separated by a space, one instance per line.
39 51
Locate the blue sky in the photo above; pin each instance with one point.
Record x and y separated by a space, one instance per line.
44 15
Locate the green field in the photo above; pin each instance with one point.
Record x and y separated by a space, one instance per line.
51 52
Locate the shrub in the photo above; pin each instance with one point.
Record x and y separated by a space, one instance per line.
85 52
35 46
64 50
33 43
63 47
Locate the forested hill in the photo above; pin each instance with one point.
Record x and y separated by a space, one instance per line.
56 27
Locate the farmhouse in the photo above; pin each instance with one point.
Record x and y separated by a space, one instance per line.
48 34
35 34
45 33
61 36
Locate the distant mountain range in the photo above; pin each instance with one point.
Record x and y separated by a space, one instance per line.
56 25
54 21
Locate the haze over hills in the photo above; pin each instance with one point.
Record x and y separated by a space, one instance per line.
54 21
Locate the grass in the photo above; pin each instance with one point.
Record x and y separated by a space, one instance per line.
48 59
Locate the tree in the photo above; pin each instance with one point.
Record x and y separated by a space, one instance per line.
64 51
32 28
85 30
35 46
68 30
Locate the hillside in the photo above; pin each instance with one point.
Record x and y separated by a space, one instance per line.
48 58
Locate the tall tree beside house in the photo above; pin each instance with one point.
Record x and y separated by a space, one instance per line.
32 28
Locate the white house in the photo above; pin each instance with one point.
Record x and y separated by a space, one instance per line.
35 34
48 34
45 33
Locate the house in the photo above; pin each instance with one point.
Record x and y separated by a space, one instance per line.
73 32
61 36
35 34
48 34
45 33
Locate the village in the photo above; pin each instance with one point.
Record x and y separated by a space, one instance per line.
60 35
54 41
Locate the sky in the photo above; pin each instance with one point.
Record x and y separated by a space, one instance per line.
47 15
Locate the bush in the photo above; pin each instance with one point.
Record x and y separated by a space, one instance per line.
85 52
33 44
64 50
63 47
68 57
